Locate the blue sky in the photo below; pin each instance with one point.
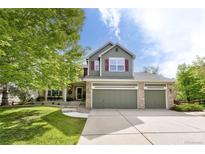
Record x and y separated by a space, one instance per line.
158 37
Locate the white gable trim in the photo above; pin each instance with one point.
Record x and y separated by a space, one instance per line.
90 55
130 53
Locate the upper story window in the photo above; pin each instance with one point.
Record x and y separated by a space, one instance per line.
96 65
116 64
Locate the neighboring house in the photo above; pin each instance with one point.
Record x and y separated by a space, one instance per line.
12 98
110 82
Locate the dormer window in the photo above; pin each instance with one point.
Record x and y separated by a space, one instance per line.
96 65
116 65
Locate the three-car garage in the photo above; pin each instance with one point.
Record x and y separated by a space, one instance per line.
125 96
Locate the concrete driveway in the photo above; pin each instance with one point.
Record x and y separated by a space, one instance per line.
127 126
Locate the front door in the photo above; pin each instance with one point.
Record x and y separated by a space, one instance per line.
79 93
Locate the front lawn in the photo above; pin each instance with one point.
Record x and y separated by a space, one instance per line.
38 125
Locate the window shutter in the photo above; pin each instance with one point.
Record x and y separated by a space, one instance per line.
126 65
106 65
92 65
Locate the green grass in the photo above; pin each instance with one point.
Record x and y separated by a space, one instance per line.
203 105
185 107
38 125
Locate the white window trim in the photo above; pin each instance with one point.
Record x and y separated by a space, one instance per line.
88 67
96 62
116 58
58 93
100 67
76 93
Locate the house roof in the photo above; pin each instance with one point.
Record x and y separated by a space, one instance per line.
97 50
146 77
138 76
110 43
126 50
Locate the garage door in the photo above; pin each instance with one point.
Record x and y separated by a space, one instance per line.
114 98
155 99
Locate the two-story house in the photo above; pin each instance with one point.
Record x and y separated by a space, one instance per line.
110 82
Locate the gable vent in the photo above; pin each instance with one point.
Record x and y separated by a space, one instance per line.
116 49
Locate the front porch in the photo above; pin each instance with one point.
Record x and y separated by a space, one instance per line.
74 92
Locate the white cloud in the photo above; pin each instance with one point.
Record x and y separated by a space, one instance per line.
178 35
111 18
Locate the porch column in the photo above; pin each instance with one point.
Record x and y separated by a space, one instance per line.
140 97
64 93
46 95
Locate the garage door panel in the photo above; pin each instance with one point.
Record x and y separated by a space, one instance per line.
155 99
109 98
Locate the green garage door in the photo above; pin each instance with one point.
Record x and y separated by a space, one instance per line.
107 98
155 99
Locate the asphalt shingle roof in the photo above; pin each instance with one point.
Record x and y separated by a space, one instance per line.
138 76
151 77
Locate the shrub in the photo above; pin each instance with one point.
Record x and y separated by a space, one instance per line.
187 107
69 99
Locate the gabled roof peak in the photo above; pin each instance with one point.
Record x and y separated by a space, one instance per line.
117 44
106 44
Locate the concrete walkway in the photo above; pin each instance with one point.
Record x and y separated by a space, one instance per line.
123 126
77 112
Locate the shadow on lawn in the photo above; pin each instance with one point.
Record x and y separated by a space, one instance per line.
67 125
20 126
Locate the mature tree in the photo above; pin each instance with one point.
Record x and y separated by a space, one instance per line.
39 48
191 80
151 69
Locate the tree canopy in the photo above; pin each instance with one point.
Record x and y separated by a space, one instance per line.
151 69
191 80
39 47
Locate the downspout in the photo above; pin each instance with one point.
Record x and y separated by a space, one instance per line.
100 66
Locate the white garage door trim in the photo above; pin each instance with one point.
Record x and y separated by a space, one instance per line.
114 87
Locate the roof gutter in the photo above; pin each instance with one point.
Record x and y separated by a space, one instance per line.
129 80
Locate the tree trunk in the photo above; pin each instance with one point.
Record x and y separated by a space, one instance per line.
5 95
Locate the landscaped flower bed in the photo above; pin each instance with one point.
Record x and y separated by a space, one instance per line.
188 107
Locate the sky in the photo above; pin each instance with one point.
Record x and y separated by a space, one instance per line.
162 38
